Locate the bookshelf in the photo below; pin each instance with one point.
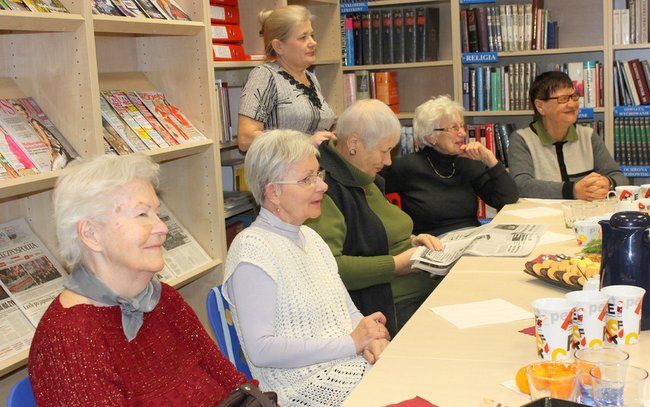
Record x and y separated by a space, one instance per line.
63 61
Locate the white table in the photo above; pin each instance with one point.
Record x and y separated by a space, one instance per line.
433 359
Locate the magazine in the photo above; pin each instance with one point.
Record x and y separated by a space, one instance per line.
121 106
139 118
15 157
491 240
128 8
16 331
150 120
171 9
170 116
105 7
150 10
182 252
111 117
114 141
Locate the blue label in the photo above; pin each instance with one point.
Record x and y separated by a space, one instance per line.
636 170
356 7
479 57
631 111
586 113
476 1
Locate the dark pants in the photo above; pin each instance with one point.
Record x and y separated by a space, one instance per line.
406 308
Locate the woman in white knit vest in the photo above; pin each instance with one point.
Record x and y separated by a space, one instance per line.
300 331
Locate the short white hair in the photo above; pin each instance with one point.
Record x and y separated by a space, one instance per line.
271 155
371 120
429 115
84 191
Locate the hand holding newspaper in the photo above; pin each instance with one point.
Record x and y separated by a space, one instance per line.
494 240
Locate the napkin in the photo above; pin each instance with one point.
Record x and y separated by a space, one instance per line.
552 237
536 212
416 401
479 313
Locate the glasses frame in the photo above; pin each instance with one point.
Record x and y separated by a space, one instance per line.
308 180
560 99
453 129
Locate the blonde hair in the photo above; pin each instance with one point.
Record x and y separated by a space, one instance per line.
429 114
279 23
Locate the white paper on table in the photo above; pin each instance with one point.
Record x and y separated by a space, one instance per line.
512 385
479 313
544 201
552 237
536 212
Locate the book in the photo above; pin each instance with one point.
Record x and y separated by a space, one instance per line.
640 81
472 31
349 40
349 88
490 240
589 81
398 36
232 175
377 38
169 116
464 34
387 89
362 85
366 38
428 50
410 27
466 87
357 34
387 36
482 29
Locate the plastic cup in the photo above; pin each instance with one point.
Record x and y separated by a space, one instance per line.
619 385
623 316
586 230
589 309
553 328
577 210
627 192
559 380
589 358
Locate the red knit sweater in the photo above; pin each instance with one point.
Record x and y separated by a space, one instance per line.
80 357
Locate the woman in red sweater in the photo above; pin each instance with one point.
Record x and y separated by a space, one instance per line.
116 336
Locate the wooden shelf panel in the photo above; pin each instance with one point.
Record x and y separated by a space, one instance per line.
620 47
554 51
12 188
180 150
381 3
145 26
39 22
411 65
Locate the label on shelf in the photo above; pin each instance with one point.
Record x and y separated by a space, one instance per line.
586 113
476 1
636 170
479 57
631 111
354 7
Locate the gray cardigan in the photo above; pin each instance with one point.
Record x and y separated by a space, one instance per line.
536 168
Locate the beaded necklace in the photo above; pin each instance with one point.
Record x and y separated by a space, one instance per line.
309 91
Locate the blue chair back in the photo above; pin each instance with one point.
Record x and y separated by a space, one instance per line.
224 330
21 394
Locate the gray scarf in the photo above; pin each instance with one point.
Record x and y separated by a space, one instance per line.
85 283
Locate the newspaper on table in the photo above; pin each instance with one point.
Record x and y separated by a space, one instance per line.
491 240
181 251
30 278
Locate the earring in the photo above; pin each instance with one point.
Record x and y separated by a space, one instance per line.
353 151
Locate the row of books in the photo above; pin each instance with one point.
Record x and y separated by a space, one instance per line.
631 82
41 6
508 27
497 87
630 25
29 141
632 140
390 36
160 9
228 105
382 85
145 120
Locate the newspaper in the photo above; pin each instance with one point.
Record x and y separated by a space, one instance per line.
30 278
490 240
182 252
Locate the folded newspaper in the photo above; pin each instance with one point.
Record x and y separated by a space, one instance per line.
490 240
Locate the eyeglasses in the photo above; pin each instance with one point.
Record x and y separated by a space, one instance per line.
454 129
308 180
565 98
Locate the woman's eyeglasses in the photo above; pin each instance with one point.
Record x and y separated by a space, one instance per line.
308 180
565 98
454 129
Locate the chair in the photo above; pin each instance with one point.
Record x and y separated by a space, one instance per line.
21 394
224 330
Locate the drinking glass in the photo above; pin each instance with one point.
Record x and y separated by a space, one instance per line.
588 358
558 380
619 385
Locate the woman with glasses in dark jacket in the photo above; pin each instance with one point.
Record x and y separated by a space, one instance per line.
439 184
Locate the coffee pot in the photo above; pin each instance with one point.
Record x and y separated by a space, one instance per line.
626 255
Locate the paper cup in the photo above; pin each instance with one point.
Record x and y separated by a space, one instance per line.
589 309
623 316
644 191
553 328
627 192
586 231
642 205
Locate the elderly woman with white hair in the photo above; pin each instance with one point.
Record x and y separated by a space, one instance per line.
370 237
116 336
301 334
439 184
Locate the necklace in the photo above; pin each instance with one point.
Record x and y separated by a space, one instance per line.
309 91
453 169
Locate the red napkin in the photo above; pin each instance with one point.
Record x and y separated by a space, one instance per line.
414 402
529 331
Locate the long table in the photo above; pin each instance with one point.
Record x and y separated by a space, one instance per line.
448 366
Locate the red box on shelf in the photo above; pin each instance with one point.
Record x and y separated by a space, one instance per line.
224 14
228 52
226 33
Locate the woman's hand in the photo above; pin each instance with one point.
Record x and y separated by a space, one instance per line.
403 263
369 329
374 349
477 151
321 136
425 239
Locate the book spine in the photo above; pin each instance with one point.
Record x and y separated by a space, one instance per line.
472 30
409 35
358 38
377 38
366 34
482 28
480 89
431 33
640 81
589 71
387 36
466 98
349 40
398 36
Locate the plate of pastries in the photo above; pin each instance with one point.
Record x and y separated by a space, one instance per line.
566 271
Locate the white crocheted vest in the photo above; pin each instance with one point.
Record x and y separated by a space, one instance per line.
310 304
